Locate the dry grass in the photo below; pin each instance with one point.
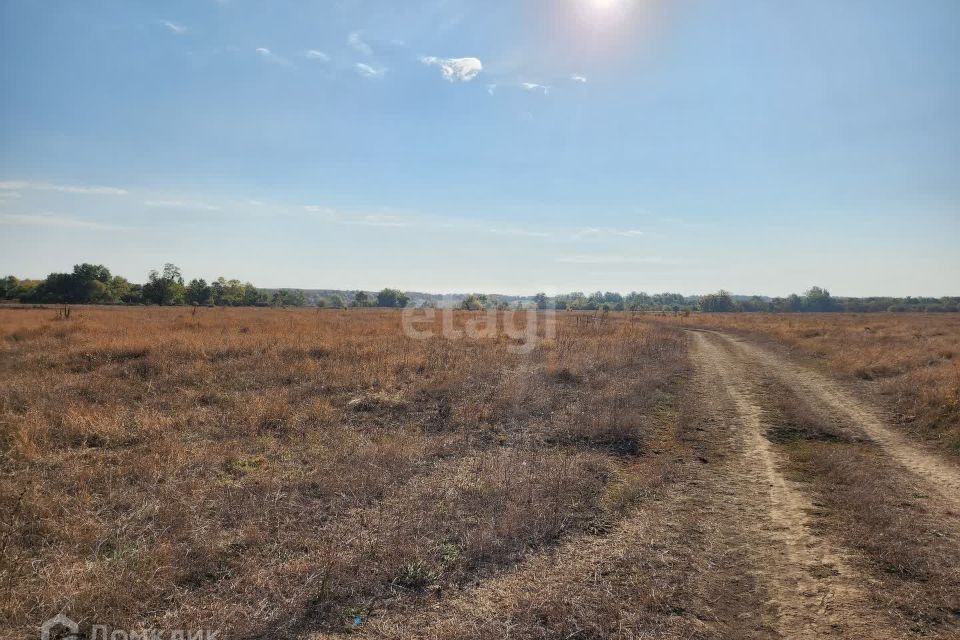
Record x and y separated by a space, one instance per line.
277 471
913 360
866 502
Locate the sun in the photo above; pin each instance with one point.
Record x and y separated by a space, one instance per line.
604 6
602 11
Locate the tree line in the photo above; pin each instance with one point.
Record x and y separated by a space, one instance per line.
94 284
815 299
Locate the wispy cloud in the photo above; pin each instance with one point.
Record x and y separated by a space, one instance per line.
369 72
181 204
173 27
357 43
618 259
455 69
491 89
368 220
515 231
20 185
533 86
270 56
314 54
381 220
52 220
599 232
576 77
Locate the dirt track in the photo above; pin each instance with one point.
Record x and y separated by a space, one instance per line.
818 590
727 546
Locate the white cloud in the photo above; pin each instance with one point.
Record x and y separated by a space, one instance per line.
578 78
533 86
455 69
63 188
51 220
369 72
181 204
314 54
173 27
358 44
270 56
491 88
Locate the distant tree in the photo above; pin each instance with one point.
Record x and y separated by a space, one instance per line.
817 299
540 300
717 302
360 299
198 292
288 298
164 288
118 289
253 297
336 302
392 298
9 288
472 303
86 272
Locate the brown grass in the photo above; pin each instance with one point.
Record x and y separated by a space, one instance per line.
912 360
275 471
866 502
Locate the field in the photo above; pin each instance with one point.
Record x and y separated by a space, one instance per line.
275 473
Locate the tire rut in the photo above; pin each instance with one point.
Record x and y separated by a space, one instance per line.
815 592
941 477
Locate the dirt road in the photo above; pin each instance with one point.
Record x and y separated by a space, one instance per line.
816 583
730 543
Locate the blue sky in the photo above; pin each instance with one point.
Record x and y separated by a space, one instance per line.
512 147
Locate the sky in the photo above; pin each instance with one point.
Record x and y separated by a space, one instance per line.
483 145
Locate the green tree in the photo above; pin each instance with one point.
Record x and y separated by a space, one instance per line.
472 303
360 299
9 288
817 299
164 288
392 298
336 302
717 302
198 292
540 300
288 298
253 297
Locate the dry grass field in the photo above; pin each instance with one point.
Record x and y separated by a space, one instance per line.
913 360
281 473
269 472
